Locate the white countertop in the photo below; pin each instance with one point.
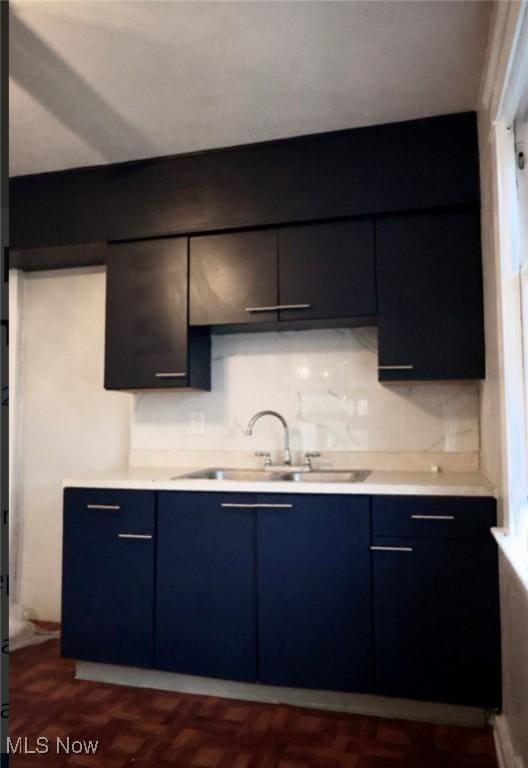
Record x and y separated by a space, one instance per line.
378 482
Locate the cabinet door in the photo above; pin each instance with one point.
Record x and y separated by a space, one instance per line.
436 620
108 576
206 603
233 278
429 278
146 315
314 592
327 271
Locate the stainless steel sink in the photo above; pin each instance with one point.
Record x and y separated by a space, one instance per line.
262 475
240 475
328 476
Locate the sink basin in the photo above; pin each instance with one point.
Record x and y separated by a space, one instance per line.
328 476
221 473
262 475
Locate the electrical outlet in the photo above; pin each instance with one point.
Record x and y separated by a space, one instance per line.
197 423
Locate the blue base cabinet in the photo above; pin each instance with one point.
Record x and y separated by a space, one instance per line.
314 610
436 604
206 585
108 576
392 595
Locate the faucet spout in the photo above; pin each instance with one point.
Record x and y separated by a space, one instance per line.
259 415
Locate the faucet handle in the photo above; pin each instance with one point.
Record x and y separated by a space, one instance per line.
267 456
308 456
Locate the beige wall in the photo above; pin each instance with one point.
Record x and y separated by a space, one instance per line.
514 609
68 424
491 387
514 597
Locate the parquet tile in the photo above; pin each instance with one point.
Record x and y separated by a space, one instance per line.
143 728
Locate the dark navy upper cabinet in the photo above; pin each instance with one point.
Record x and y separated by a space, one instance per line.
206 590
412 165
436 606
327 271
314 591
108 576
429 278
233 278
148 343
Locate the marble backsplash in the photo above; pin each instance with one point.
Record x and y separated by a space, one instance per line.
325 384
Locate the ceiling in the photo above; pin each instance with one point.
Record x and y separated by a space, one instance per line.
104 81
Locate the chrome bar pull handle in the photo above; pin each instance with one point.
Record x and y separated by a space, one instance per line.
262 309
273 506
177 375
392 549
226 505
395 367
432 517
233 505
134 536
275 307
103 506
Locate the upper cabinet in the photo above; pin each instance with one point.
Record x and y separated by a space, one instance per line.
412 165
233 278
327 271
148 344
370 225
430 317
304 273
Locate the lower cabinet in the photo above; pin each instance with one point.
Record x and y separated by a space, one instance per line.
314 591
108 576
206 585
435 601
268 588
392 595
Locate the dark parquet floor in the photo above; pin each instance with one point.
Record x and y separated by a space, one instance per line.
137 728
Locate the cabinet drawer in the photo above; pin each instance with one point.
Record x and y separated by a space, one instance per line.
445 517
112 510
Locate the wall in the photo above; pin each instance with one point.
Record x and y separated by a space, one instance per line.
325 384
514 610
512 725
69 425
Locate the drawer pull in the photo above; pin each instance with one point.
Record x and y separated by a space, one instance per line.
237 506
178 375
273 506
294 306
432 517
395 367
134 536
275 307
229 505
392 549
103 506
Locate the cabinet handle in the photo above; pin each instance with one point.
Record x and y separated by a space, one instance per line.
103 506
392 549
237 506
180 375
395 367
273 506
432 517
134 536
229 505
278 306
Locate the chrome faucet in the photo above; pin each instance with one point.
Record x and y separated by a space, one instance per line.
257 416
